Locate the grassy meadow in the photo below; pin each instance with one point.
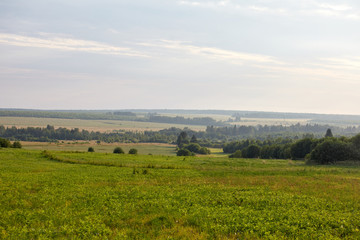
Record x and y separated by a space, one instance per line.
80 195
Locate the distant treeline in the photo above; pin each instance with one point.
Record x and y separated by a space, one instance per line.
211 137
263 132
182 120
49 134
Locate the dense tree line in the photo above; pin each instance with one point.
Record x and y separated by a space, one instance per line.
323 150
49 134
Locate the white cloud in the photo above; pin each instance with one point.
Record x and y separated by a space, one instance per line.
213 53
345 63
275 7
67 44
334 7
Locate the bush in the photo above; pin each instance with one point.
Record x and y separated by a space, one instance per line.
302 147
133 151
91 149
204 150
252 151
184 152
196 148
236 154
4 143
16 144
118 150
193 147
331 151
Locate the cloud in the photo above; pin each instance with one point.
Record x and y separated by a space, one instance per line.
345 63
213 53
276 7
67 44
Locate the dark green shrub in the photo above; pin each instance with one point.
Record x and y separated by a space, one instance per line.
91 149
302 147
331 151
193 147
118 150
133 151
204 150
252 151
236 154
4 143
16 144
184 152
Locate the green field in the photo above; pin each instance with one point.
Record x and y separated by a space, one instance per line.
82 146
57 195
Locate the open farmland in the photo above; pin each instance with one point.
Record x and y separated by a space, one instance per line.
270 121
92 125
47 195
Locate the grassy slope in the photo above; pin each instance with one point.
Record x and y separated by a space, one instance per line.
145 197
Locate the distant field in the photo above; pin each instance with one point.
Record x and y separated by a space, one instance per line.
110 125
143 148
270 121
68 195
217 117
82 146
91 125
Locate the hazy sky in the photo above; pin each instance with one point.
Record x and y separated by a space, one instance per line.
265 55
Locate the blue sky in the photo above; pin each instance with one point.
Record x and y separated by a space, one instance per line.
264 55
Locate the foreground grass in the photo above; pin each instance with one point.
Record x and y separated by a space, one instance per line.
108 196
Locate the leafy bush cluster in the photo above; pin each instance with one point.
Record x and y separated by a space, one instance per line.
268 149
191 149
4 143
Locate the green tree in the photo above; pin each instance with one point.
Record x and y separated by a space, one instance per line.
4 143
118 150
133 151
193 139
252 151
236 154
302 147
193 147
331 151
328 133
91 149
182 139
16 144
184 152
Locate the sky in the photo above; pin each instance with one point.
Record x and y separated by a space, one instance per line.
257 55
